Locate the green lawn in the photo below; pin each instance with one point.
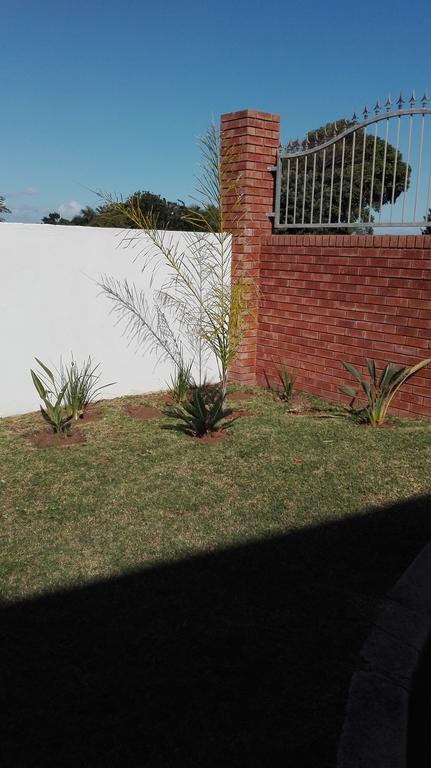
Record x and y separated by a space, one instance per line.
195 604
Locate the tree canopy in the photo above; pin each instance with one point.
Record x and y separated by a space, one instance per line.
372 177
3 206
169 215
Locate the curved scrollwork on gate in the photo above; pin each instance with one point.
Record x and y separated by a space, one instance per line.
349 177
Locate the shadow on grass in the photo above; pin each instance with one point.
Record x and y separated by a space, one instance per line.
238 658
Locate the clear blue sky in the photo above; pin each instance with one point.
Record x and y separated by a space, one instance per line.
97 94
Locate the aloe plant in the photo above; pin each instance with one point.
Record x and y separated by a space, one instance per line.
202 414
379 390
53 412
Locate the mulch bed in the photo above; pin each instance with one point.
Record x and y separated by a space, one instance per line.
142 412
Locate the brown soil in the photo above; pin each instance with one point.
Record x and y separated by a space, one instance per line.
90 414
236 396
142 412
212 437
237 414
52 440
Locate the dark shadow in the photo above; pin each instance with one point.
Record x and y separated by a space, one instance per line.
238 658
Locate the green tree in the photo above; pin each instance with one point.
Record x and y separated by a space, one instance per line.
54 218
334 209
3 206
167 215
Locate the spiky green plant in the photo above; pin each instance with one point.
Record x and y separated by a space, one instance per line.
203 413
287 381
181 382
81 386
53 412
379 390
200 293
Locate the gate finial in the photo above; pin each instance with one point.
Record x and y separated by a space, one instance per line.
388 103
424 100
377 107
412 100
400 102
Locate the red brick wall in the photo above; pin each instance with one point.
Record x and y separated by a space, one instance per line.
249 145
323 298
327 298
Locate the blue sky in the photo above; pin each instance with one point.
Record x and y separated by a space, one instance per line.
98 94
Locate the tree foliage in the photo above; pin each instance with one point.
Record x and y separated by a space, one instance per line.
3 206
168 215
427 230
377 190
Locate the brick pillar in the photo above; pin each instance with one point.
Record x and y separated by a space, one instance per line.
249 142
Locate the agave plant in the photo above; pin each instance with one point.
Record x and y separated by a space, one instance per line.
181 382
53 412
203 413
379 390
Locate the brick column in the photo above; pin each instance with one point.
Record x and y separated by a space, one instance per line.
249 142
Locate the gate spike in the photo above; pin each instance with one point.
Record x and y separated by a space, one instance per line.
365 112
400 102
354 118
388 103
377 107
424 100
412 100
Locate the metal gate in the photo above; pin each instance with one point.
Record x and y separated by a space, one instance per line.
348 177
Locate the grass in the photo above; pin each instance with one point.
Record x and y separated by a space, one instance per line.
261 560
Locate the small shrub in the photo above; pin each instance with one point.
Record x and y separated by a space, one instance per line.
53 412
379 390
181 382
287 381
81 386
203 413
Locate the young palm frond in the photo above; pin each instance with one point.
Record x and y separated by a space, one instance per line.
210 303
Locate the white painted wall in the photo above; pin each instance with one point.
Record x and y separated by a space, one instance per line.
50 306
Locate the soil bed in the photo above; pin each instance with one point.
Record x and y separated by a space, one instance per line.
237 396
143 412
211 437
55 440
237 414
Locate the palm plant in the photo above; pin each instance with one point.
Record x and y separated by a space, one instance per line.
200 293
379 390
203 413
